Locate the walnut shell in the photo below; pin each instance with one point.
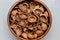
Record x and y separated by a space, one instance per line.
30 36
39 32
22 23
23 7
46 13
24 35
43 18
18 32
23 16
32 19
44 26
14 12
37 10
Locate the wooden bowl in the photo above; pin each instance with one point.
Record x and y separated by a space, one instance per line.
50 19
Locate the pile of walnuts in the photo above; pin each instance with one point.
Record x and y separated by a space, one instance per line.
29 20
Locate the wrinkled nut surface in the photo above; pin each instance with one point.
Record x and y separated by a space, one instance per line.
44 26
28 20
24 35
39 32
30 36
23 16
32 19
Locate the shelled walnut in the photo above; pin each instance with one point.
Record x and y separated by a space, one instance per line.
28 20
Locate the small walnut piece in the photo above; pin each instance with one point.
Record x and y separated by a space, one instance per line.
32 19
37 10
46 13
22 23
13 17
20 13
23 7
44 26
39 27
24 35
18 32
35 35
30 36
24 29
32 6
41 9
23 16
39 32
14 12
13 26
17 18
43 18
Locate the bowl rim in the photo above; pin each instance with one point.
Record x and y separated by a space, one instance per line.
40 3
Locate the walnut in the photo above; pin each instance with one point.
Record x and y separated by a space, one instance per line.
14 12
43 18
13 26
32 19
23 7
41 9
17 18
12 21
24 29
22 23
13 17
46 13
39 27
20 12
18 32
32 6
39 32
16 29
35 35
37 10
26 4
23 16
30 36
24 35
44 26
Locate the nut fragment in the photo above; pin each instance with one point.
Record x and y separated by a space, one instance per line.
13 26
46 13
43 18
22 23
24 29
39 27
42 9
20 13
18 32
23 7
32 19
44 26
32 6
39 32
23 16
35 35
17 18
14 12
30 36
37 10
24 35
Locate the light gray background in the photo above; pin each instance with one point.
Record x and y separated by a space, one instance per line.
54 33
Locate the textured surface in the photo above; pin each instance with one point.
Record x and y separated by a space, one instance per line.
54 33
